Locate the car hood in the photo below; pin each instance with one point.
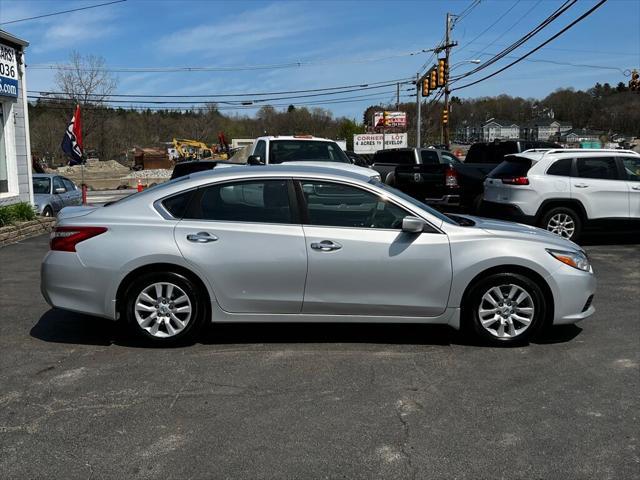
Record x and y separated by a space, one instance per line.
520 230
369 172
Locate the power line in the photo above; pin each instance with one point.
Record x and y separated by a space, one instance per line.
550 39
490 26
64 11
466 11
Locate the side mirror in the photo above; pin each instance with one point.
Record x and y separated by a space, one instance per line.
413 224
60 190
255 160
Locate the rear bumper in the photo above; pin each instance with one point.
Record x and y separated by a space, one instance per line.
506 211
68 284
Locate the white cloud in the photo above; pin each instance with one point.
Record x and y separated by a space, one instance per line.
250 30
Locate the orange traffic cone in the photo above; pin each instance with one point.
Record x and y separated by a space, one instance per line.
139 185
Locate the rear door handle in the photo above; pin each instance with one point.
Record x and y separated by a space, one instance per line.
326 246
581 185
201 237
635 187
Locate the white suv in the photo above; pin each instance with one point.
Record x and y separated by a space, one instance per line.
292 149
560 190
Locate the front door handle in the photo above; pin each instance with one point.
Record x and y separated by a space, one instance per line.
635 187
201 237
326 246
581 185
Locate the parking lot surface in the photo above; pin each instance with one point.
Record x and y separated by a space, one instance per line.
80 398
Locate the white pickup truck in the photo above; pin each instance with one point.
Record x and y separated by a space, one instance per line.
305 149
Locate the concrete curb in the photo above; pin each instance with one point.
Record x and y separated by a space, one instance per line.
23 230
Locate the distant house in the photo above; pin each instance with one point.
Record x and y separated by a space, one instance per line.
494 129
544 129
577 135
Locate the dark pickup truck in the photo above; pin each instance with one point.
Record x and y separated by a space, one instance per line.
439 178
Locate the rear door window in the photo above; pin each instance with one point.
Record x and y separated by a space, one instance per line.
512 167
603 168
561 168
429 157
57 183
631 168
68 184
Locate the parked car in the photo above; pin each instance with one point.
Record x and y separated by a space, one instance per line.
276 149
432 175
307 243
493 153
356 158
562 190
53 192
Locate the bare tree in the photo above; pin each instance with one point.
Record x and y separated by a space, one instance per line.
85 79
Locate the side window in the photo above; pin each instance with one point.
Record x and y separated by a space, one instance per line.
259 201
448 158
261 150
177 205
338 205
561 168
68 184
429 157
632 168
597 167
57 183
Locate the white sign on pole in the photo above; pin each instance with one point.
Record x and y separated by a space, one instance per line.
8 72
394 119
372 142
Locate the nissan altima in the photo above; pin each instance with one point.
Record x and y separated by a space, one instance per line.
296 243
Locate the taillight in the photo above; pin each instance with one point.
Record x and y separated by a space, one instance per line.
516 181
65 239
451 177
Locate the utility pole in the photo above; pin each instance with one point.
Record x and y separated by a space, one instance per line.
397 96
447 45
418 113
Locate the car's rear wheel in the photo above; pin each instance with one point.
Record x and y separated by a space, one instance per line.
47 212
562 221
506 309
164 308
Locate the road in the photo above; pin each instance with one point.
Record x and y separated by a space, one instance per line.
80 398
98 197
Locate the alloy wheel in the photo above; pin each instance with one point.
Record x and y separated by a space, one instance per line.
562 224
163 309
506 311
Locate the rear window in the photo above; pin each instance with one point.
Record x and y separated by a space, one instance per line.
512 167
490 152
429 157
396 157
281 151
561 168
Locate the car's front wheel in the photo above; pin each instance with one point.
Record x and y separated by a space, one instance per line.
164 308
506 309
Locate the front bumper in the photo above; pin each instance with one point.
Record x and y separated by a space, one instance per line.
506 211
573 293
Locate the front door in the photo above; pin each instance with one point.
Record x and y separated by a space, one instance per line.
246 238
598 186
360 261
631 167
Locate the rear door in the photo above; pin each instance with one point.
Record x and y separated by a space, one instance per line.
58 194
598 184
245 236
631 168
360 261
73 195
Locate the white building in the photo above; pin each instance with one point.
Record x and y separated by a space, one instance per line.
15 149
499 129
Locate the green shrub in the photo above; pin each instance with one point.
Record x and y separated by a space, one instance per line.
17 212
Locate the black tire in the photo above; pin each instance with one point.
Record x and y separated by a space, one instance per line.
196 301
504 282
47 212
547 222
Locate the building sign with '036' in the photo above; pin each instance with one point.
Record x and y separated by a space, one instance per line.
8 72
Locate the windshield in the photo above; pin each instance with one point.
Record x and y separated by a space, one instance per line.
413 201
41 185
305 150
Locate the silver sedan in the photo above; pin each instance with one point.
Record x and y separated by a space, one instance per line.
307 244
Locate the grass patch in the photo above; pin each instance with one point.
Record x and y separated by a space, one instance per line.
18 212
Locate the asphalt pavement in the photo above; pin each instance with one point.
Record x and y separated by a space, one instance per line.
80 398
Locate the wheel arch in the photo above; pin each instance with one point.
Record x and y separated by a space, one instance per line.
571 203
161 267
517 269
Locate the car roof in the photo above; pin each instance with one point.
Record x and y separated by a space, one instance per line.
284 169
538 154
46 175
294 137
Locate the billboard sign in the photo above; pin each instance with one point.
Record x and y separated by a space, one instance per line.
372 142
394 119
8 72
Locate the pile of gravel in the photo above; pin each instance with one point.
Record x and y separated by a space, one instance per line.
94 167
153 173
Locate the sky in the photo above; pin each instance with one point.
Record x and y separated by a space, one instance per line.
330 43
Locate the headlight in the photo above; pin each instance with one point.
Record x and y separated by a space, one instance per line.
572 258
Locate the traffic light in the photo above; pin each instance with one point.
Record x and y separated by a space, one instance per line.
425 87
445 116
634 83
442 72
433 79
